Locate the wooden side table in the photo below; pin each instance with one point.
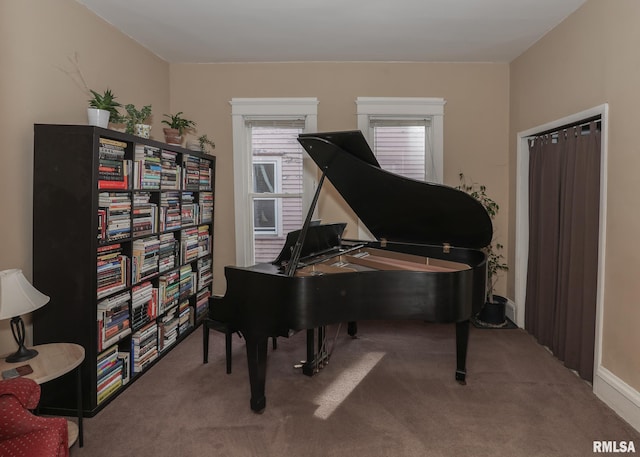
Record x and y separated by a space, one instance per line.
54 360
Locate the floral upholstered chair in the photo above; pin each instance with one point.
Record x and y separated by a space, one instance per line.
22 433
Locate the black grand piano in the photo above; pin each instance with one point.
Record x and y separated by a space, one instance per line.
426 262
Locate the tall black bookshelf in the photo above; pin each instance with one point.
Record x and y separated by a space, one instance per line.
123 245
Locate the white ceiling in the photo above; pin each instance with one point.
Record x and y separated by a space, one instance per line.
205 31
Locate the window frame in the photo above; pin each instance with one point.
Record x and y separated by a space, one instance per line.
268 108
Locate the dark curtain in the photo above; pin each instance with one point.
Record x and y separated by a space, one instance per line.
564 195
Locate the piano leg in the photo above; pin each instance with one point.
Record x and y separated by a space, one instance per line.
352 328
257 360
462 340
308 368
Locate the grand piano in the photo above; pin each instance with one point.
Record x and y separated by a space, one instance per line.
426 262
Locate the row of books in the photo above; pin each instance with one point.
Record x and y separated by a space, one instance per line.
168 328
120 218
144 304
144 347
205 272
145 258
202 303
114 216
186 317
168 290
151 168
112 269
145 214
147 167
168 252
113 169
155 168
195 242
114 322
196 173
113 372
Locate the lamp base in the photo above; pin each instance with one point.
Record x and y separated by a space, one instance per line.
22 355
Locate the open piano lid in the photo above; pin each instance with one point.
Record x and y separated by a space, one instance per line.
395 208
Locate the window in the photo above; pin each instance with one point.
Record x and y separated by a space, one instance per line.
402 146
274 180
405 134
266 214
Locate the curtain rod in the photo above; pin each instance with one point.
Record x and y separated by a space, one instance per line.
580 123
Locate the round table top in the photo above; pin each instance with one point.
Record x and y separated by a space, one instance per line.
53 360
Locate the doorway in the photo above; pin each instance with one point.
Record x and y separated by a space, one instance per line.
523 208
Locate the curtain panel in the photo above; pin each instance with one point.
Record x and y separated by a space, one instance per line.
564 190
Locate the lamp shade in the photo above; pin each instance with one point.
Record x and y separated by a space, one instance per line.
17 295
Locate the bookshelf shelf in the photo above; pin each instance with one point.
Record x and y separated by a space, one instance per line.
123 245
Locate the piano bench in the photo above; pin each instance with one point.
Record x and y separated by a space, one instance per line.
223 327
212 324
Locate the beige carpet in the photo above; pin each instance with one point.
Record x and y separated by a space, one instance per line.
390 392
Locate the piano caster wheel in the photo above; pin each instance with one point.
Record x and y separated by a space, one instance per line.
460 377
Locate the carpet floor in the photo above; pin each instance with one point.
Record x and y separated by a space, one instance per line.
389 392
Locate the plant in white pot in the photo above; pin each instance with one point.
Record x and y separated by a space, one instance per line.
177 126
135 119
492 313
102 108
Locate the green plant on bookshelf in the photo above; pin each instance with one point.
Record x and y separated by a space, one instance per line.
204 141
103 108
176 121
135 119
177 126
105 101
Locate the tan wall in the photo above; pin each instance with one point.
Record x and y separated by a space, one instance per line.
476 120
589 59
36 38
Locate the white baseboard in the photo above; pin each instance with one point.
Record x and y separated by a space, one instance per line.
614 392
510 310
618 395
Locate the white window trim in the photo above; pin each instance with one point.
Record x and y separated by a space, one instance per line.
241 108
433 108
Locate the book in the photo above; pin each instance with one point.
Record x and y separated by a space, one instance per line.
16 372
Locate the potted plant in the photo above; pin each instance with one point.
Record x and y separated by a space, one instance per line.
102 108
177 127
135 120
493 311
204 142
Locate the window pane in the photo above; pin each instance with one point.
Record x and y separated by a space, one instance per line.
401 149
264 215
264 175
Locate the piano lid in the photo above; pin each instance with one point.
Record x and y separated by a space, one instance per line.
393 207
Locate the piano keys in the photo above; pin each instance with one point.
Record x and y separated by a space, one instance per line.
426 262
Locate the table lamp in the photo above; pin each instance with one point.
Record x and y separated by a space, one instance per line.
17 297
